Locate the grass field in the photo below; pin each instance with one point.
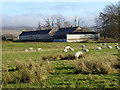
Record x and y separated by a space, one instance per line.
63 71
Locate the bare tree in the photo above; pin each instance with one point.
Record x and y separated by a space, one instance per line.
39 26
67 24
60 21
80 22
75 21
52 21
47 23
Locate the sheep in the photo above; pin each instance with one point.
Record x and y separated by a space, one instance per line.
71 49
85 50
25 50
83 46
109 46
65 50
30 48
100 44
78 54
117 47
38 49
99 48
67 47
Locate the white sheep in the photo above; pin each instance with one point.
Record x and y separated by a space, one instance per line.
85 50
117 47
99 48
30 48
71 49
83 46
65 50
100 44
38 49
67 47
78 54
109 46
25 50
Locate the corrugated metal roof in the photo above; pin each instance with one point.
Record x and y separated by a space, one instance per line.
83 33
63 31
35 32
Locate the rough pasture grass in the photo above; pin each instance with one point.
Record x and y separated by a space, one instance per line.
26 72
64 75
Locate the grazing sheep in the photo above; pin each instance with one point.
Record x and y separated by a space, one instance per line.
100 44
104 44
67 47
83 46
25 50
65 50
71 49
85 50
109 46
38 49
30 48
78 54
117 47
99 48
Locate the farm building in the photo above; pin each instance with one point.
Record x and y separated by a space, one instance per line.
81 36
74 34
60 34
40 35
69 34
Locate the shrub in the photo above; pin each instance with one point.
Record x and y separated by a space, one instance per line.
27 72
68 57
60 57
49 57
92 65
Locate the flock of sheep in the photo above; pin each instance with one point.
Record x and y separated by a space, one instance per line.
79 53
38 49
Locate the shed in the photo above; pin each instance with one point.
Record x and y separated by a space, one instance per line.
60 34
81 36
40 35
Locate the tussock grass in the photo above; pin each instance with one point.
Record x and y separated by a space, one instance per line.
94 65
27 72
60 57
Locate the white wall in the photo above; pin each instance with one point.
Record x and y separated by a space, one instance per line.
80 36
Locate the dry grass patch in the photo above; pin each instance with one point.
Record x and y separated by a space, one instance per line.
61 57
27 72
95 65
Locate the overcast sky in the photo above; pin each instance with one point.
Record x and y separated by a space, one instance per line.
30 13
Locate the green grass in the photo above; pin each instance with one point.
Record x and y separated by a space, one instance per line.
63 75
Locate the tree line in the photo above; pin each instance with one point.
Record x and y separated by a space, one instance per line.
58 21
108 22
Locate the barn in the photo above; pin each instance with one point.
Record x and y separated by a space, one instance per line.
40 35
74 34
81 36
60 34
69 34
